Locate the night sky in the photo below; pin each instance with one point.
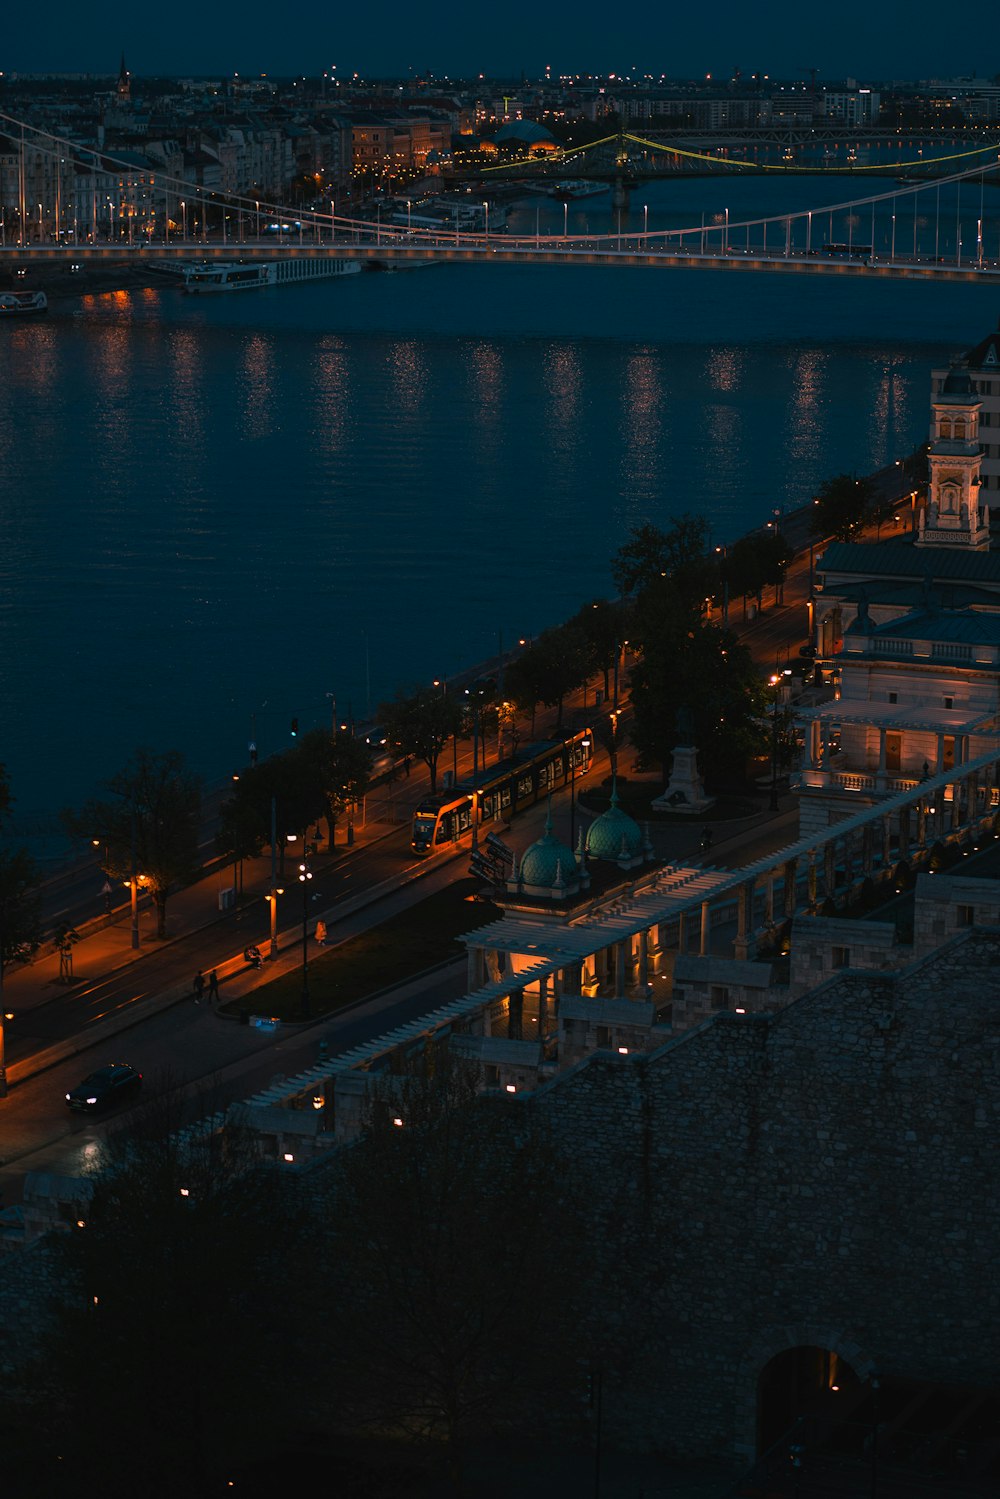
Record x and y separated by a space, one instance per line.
901 39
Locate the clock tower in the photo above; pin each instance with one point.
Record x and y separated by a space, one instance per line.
953 515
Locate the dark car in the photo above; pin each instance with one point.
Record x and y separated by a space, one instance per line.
102 1089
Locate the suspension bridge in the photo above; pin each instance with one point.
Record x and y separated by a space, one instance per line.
95 206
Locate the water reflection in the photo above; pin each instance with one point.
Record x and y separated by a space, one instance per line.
642 400
804 408
258 392
331 389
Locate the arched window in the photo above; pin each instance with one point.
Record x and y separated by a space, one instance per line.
946 426
959 431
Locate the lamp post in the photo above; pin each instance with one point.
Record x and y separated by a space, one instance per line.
724 552
486 210
775 681
305 875
107 883
134 881
584 745
333 221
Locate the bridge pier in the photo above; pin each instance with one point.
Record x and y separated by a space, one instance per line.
620 194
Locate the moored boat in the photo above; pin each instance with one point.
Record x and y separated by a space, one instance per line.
247 275
15 303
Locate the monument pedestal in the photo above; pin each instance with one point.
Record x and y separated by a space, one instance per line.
686 791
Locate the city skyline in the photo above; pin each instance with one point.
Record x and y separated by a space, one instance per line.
899 42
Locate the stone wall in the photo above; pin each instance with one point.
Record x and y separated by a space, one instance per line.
827 1175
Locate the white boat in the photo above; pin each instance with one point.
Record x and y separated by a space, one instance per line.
18 303
575 189
246 275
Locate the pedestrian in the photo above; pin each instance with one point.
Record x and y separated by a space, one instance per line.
321 932
213 985
199 986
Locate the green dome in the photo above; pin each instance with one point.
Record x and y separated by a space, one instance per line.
614 833
547 860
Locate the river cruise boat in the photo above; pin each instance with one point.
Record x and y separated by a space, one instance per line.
20 303
247 275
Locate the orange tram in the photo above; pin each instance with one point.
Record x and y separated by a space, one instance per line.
501 791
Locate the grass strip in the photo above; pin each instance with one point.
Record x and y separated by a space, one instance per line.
401 947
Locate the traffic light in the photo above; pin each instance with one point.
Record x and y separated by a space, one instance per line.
295 728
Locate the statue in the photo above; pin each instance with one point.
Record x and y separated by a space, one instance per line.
684 725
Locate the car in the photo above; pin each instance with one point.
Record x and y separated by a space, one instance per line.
807 652
105 1087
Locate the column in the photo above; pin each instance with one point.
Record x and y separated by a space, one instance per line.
476 974
921 824
867 852
644 962
815 747
790 893
904 833
886 842
830 869
515 1014
769 900
848 860
620 970
956 800
811 881
706 927
682 932
940 754
543 1007
880 775
744 921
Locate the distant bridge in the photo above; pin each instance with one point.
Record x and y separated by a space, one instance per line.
109 209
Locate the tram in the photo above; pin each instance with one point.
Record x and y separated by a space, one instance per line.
501 791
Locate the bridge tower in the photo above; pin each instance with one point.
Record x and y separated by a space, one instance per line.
622 185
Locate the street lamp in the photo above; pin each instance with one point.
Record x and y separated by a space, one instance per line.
775 681
107 883
486 210
584 746
724 552
305 875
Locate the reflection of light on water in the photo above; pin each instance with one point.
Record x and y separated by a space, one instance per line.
408 375
487 379
258 403
185 345
725 366
807 374
642 397
562 382
888 410
331 393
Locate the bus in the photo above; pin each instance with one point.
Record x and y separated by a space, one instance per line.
501 791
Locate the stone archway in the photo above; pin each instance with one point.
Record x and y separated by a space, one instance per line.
818 1343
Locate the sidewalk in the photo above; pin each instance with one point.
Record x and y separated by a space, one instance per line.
105 947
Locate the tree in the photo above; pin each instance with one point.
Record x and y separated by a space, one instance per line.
553 666
842 508
604 627
680 554
20 921
182 1336
444 1216
687 664
153 820
421 725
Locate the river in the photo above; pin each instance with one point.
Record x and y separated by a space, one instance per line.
218 512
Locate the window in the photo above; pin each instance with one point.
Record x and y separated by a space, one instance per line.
966 915
949 702
719 996
603 1036
840 957
894 697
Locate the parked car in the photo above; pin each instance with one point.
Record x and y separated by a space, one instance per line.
103 1088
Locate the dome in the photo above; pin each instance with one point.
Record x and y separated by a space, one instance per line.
524 130
614 834
547 861
958 383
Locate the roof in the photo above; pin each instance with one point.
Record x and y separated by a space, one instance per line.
523 130
968 626
880 593
985 355
901 559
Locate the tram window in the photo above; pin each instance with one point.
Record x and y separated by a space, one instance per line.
489 805
505 795
524 787
444 830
